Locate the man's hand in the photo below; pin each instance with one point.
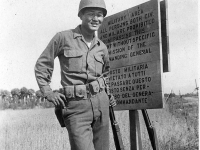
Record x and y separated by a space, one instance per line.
112 100
57 99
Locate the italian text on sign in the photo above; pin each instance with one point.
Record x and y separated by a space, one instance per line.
133 39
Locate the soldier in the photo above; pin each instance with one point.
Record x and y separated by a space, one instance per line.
84 64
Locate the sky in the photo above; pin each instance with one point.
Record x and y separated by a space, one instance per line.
28 26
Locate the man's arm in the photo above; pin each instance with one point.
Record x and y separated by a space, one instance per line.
45 65
44 69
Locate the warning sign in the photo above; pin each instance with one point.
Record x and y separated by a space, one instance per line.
133 39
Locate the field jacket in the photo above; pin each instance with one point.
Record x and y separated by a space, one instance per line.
79 63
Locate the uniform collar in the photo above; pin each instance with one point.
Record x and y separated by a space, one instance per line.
77 33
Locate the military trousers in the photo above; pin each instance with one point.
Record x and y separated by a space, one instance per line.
87 122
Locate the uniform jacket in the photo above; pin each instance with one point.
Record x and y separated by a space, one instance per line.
79 63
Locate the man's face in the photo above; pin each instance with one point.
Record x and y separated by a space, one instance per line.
92 18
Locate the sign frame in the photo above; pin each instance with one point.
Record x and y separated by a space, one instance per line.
119 25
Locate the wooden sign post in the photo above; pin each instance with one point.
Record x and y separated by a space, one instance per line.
134 39
135 134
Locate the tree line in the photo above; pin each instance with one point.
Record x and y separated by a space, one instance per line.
24 98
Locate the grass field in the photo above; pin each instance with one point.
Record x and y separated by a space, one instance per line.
38 129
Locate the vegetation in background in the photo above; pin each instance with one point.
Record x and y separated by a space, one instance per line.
176 126
23 99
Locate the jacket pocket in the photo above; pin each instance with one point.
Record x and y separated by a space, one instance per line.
98 64
73 60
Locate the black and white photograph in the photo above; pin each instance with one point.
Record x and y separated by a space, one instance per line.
99 75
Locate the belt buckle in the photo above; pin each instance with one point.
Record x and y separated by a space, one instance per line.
89 94
89 89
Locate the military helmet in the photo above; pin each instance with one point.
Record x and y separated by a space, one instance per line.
92 3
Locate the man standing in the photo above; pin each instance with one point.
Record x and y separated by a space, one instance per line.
84 64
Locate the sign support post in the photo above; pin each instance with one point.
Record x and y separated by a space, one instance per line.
135 134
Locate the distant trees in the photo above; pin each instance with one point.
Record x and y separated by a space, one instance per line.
24 93
4 94
22 98
190 94
5 98
39 96
31 93
15 94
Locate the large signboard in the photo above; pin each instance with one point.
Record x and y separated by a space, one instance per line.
133 39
